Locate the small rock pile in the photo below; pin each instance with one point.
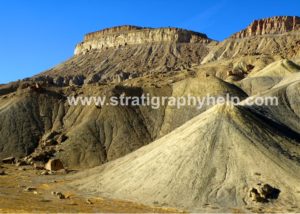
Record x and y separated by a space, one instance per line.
264 193
43 156
46 150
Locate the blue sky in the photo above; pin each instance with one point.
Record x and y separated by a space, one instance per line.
38 34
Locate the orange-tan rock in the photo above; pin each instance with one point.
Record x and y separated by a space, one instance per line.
274 25
132 35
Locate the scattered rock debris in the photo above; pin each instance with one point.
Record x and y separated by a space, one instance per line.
8 160
59 195
264 193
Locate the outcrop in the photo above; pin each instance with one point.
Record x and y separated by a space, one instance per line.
131 35
103 55
274 38
264 193
274 25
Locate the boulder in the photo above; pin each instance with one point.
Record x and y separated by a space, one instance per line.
36 87
269 192
59 81
43 155
54 165
66 80
44 79
264 193
92 79
28 160
77 80
21 163
9 160
255 196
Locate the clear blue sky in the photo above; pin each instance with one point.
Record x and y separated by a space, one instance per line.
38 34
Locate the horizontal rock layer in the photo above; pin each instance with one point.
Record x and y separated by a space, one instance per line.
131 35
274 25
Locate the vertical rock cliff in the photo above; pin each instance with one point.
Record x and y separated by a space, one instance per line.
274 25
132 35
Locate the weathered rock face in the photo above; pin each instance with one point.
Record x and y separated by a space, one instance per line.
29 114
131 35
113 64
274 25
278 36
103 56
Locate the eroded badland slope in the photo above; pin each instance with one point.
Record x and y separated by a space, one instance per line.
216 158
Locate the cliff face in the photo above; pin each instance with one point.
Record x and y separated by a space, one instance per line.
278 36
132 35
274 25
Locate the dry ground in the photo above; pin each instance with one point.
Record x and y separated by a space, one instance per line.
14 198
